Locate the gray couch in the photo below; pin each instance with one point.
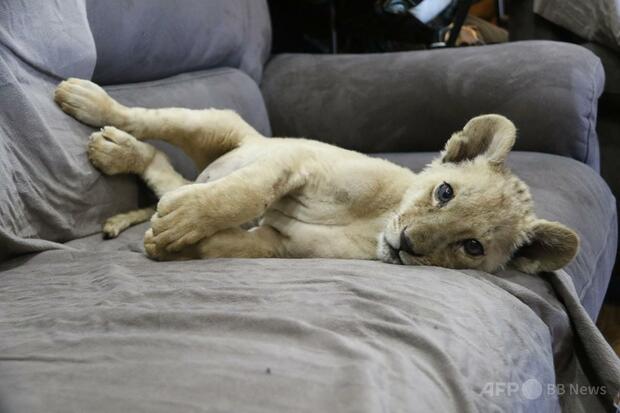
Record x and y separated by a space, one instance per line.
92 325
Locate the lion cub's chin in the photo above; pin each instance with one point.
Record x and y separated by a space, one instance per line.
387 253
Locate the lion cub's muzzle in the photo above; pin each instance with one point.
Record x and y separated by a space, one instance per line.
405 246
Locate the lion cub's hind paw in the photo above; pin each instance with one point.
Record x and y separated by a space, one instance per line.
113 151
85 101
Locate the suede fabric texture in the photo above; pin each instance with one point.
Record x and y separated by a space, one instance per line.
595 20
139 40
26 30
562 190
413 101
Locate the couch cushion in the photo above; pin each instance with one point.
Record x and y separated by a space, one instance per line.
572 193
49 190
140 40
101 328
104 329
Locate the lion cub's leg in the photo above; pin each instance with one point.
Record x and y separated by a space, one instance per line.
197 211
113 226
259 242
203 135
114 151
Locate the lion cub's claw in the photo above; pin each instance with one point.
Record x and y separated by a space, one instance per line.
150 246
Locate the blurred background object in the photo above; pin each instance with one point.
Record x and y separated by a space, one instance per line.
367 26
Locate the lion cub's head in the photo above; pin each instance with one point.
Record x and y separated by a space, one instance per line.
467 210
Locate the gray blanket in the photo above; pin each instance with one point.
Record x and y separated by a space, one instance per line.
97 327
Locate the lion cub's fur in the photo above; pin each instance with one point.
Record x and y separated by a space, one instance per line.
314 199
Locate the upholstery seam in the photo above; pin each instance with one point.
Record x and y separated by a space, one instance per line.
179 78
589 116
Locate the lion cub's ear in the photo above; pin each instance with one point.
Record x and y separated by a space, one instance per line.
551 246
490 135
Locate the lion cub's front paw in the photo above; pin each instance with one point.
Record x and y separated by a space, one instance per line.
86 101
182 218
113 151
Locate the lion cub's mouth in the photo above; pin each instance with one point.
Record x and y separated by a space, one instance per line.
394 253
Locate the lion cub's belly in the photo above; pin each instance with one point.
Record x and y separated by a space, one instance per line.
230 162
322 229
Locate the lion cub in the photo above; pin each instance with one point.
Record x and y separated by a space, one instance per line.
464 210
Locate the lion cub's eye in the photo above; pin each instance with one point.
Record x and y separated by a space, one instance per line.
444 193
473 247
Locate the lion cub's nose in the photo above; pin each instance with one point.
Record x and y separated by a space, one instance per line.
405 244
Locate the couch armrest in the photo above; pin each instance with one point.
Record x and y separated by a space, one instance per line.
413 101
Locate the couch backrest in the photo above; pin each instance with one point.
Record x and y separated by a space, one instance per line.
140 40
52 37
